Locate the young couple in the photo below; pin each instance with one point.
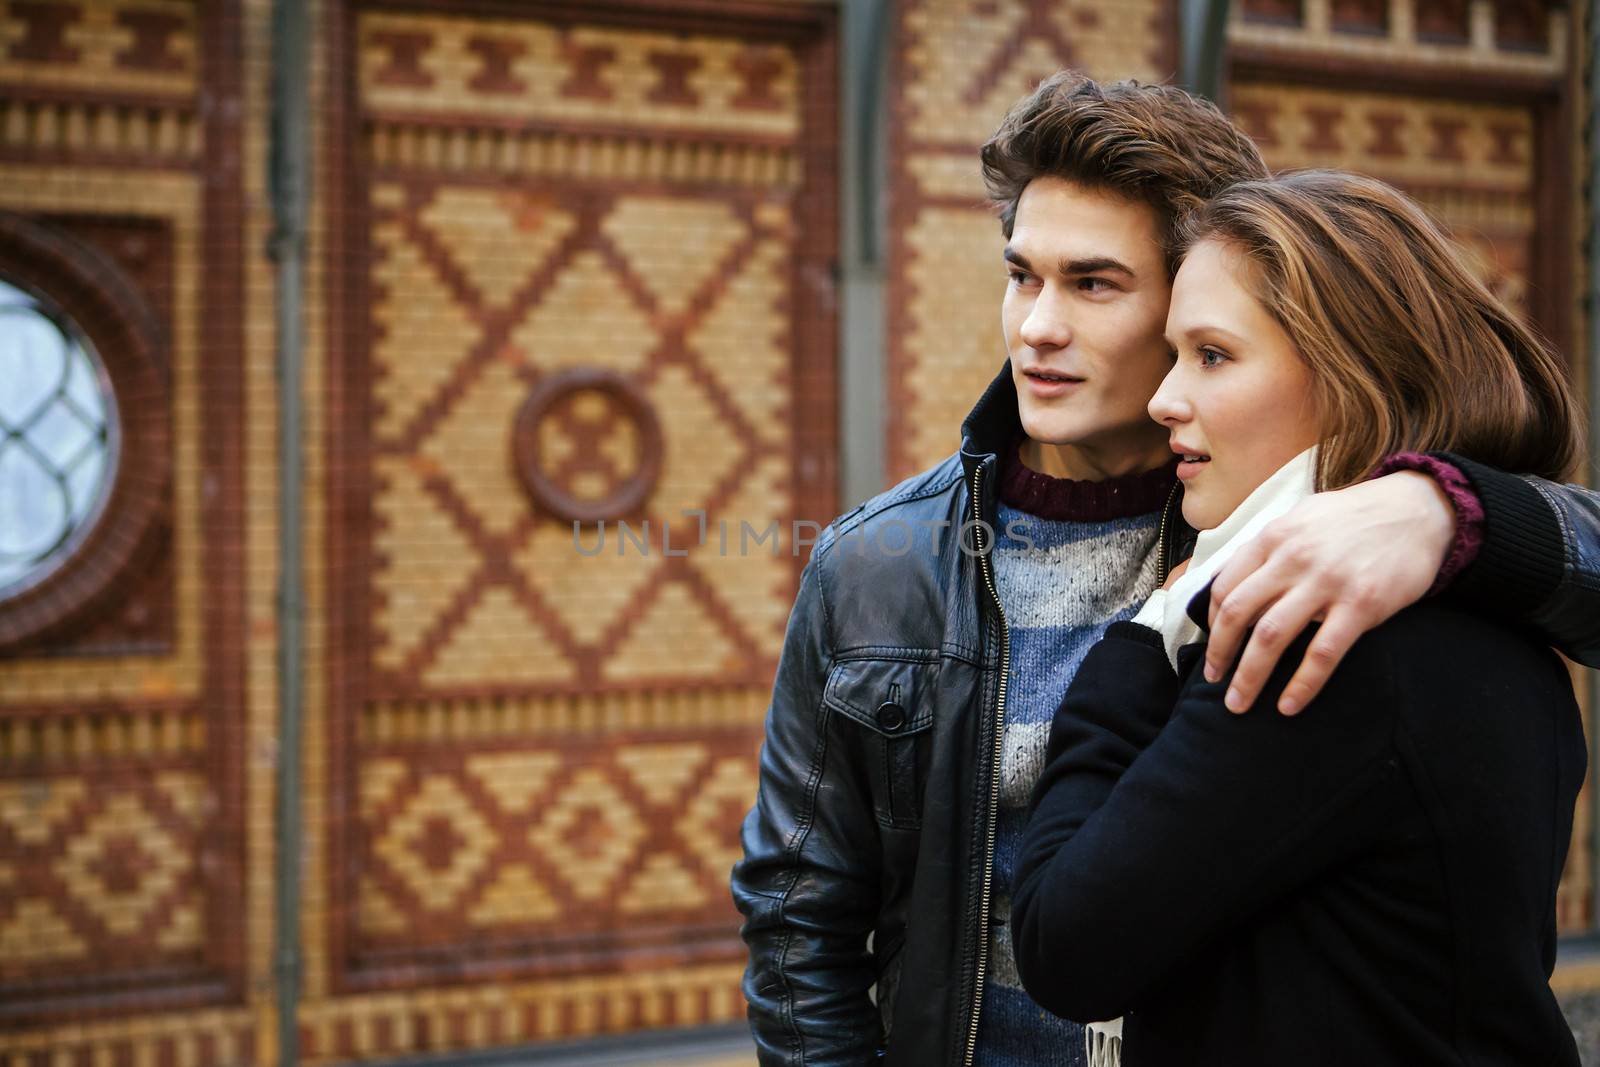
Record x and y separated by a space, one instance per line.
1041 744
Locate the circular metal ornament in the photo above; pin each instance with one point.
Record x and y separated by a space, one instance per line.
591 407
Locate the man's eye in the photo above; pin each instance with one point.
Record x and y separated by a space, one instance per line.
1018 277
1094 285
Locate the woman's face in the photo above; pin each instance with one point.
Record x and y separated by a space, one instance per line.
1237 403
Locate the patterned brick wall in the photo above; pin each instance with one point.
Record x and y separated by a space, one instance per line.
122 781
584 273
556 265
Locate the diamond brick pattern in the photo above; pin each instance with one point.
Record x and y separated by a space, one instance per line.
94 874
683 294
531 194
968 60
528 846
595 284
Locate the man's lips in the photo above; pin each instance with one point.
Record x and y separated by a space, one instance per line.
1043 382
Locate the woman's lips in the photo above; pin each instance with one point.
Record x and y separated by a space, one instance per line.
1188 468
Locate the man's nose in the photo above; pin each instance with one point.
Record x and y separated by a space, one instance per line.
1046 325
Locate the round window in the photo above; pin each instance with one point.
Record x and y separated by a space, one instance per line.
58 437
85 433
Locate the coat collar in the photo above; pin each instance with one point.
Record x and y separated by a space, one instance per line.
987 431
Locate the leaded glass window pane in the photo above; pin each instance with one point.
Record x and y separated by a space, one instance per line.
57 437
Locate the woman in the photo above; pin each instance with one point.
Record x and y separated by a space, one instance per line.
1372 881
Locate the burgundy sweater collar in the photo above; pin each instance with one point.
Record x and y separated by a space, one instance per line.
1071 500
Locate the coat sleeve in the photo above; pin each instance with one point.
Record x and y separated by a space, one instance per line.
1540 558
807 883
1127 672
1236 809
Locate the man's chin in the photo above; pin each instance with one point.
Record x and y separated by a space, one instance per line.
1054 431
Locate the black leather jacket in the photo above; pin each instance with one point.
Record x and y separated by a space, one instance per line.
867 857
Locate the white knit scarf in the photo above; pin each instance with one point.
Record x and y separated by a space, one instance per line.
1167 611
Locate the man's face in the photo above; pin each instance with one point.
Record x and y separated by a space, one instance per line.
1083 318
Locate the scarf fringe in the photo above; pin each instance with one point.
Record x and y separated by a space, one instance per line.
1103 1043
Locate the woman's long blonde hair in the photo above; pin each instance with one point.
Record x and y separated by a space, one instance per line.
1407 348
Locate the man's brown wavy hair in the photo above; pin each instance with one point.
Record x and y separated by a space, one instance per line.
1155 144
1408 350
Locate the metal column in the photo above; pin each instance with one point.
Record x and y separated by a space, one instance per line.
1204 32
862 351
289 180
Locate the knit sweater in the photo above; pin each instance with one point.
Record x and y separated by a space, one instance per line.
1070 558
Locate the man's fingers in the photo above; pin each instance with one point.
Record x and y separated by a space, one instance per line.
1232 615
1341 630
1280 625
1245 562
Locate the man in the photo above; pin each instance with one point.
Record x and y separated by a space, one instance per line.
916 687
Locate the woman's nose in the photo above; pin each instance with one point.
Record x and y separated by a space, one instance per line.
1168 406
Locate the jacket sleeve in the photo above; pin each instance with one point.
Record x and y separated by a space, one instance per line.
807 883
1540 559
1236 809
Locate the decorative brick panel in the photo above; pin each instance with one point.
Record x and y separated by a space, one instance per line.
122 772
138 48
572 239
1470 164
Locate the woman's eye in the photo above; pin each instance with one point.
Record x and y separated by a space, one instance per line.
1210 357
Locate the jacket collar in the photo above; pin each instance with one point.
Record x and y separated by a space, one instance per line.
987 430
990 427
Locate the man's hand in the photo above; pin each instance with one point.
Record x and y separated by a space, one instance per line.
1351 558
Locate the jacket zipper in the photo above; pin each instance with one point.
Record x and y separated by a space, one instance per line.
985 565
1163 554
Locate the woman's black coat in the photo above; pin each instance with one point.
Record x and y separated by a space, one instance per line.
1372 881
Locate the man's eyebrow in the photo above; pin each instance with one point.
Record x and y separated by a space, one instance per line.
1068 268
1093 265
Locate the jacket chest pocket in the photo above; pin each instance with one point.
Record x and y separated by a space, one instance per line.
892 702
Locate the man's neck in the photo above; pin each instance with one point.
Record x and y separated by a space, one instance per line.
1093 464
